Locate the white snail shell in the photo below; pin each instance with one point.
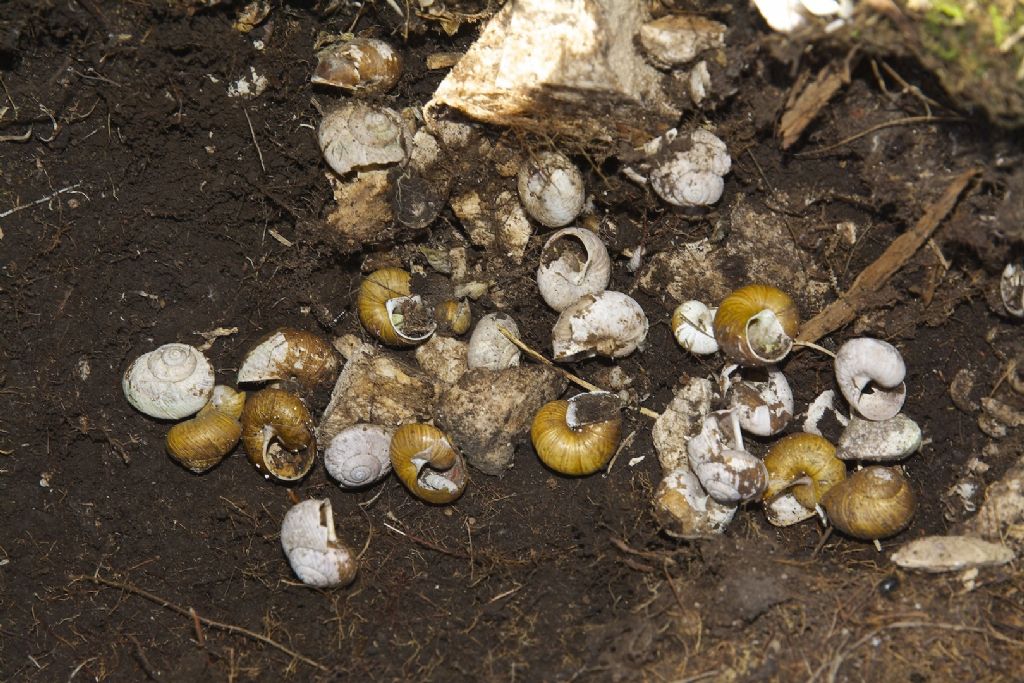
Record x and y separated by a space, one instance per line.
488 347
732 476
686 510
609 324
1011 289
879 440
171 382
359 455
693 327
714 437
551 189
763 407
358 136
313 550
692 176
563 276
862 362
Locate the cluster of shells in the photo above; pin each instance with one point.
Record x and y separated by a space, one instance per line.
710 470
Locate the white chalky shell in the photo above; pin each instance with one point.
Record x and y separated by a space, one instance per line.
696 332
764 408
688 510
693 177
863 361
608 324
359 455
357 136
171 382
879 440
732 476
786 510
488 347
312 547
564 280
551 189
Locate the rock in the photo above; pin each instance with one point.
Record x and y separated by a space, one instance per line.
494 219
950 554
1001 516
879 440
443 358
682 418
487 412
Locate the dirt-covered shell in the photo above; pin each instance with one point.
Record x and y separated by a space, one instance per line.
551 189
358 136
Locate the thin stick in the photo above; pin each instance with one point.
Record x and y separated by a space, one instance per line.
812 345
252 132
871 279
189 612
537 356
42 200
910 120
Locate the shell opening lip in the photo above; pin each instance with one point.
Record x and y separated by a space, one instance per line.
767 338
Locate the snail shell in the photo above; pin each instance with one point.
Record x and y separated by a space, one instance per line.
716 455
865 363
312 547
359 455
689 172
202 442
362 65
872 503
551 189
609 324
806 458
358 136
1011 289
764 407
693 328
389 312
578 436
427 463
685 510
288 353
171 382
755 325
454 316
273 415
879 441
489 348
565 274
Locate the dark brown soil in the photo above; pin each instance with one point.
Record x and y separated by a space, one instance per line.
174 210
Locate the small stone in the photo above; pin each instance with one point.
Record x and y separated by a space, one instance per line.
951 554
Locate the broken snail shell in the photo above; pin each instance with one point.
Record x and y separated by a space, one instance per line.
202 442
358 136
578 436
389 312
289 353
566 273
870 374
689 169
312 547
277 433
170 382
551 189
609 324
427 463
693 328
725 469
359 455
872 503
755 325
804 465
454 316
881 440
363 65
488 347
764 406
685 510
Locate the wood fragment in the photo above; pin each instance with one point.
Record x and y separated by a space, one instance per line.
872 278
806 101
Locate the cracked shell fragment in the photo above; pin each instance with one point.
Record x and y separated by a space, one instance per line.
609 324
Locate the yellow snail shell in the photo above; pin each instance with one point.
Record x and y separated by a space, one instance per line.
362 65
755 325
383 296
872 503
171 382
202 442
312 547
427 463
273 415
288 353
454 316
578 436
801 457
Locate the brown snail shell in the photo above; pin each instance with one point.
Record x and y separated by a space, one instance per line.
454 316
362 65
289 353
202 442
277 433
872 503
806 457
578 436
383 296
427 463
756 324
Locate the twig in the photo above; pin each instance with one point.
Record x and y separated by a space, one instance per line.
427 544
622 446
189 612
871 279
42 200
537 356
24 137
908 121
252 132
